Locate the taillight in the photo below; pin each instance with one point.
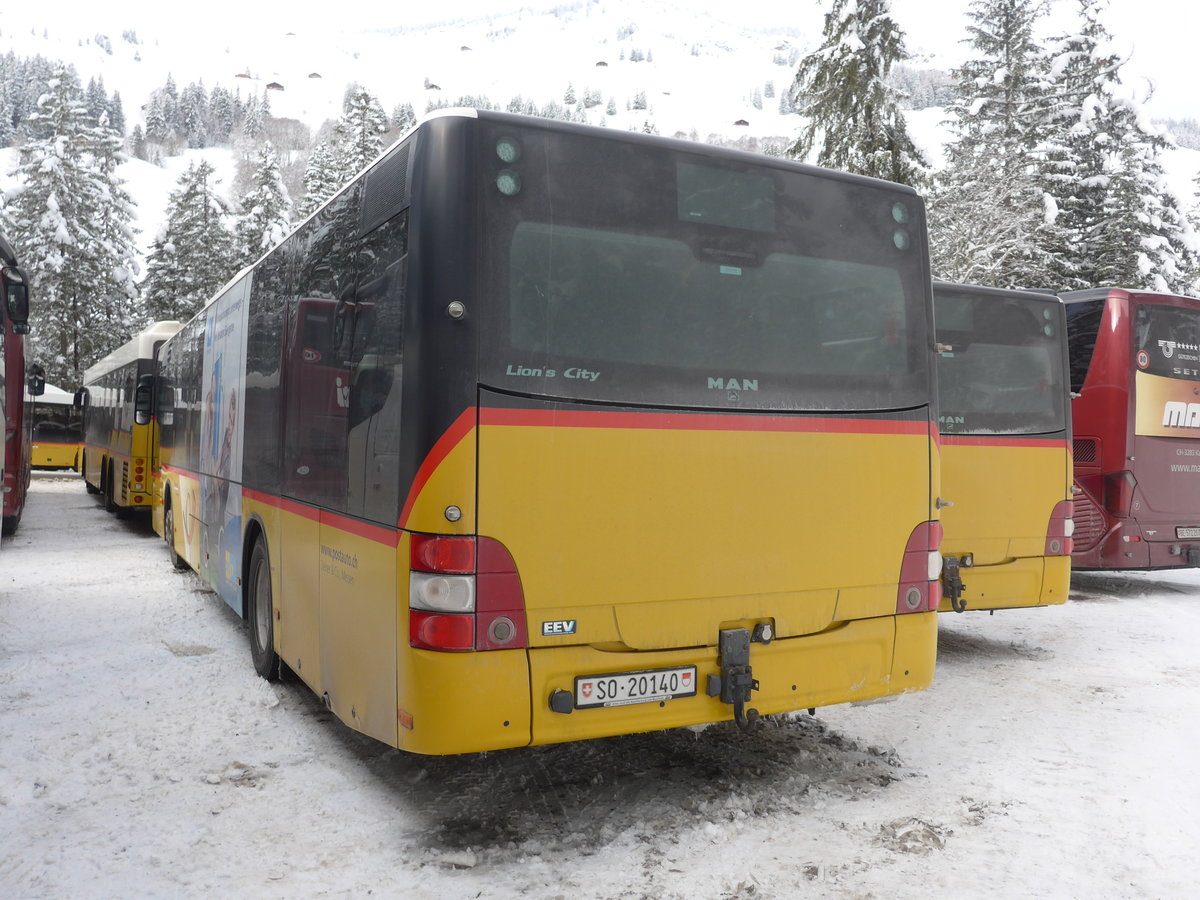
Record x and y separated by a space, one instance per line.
464 594
920 572
1059 540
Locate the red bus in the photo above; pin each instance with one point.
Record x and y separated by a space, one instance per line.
1135 380
18 424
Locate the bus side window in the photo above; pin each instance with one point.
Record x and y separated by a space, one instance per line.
373 421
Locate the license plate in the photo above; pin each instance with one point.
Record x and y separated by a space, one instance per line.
627 688
1187 532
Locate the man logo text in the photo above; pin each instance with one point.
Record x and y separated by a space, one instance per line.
1177 414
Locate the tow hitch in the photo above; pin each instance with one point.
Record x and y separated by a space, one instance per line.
952 583
736 681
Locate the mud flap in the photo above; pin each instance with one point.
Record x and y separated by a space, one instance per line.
736 681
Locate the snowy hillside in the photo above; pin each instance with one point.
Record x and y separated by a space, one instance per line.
698 71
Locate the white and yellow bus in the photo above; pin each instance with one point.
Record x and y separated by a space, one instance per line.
539 432
118 428
57 430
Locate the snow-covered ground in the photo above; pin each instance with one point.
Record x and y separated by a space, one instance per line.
140 756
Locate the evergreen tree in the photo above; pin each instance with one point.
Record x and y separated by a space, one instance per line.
194 254
264 219
359 131
58 217
252 121
854 117
116 114
1121 224
193 115
322 179
991 221
403 117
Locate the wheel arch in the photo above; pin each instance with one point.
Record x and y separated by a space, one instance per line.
255 531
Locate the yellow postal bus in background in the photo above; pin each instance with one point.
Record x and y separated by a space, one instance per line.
538 432
118 429
57 430
1006 439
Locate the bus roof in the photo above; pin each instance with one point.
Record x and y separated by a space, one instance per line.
140 347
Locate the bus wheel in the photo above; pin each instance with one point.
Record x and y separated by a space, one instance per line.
169 535
110 502
260 614
9 526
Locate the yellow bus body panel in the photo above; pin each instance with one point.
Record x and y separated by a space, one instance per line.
603 520
48 455
1003 494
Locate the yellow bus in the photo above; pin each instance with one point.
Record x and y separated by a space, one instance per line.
1006 447
538 432
57 430
115 400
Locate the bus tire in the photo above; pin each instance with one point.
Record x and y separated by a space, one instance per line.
9 526
260 614
169 535
110 502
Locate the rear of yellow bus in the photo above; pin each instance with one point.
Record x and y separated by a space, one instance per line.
689 473
1006 438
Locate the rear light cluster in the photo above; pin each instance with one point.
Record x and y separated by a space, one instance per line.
464 594
139 475
920 573
1059 540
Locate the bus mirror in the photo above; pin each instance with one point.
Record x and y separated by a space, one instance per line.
16 298
143 400
81 398
37 380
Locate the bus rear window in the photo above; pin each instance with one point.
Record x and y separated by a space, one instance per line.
609 297
632 273
1003 373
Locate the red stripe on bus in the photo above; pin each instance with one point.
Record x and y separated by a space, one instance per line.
448 441
699 422
962 440
380 534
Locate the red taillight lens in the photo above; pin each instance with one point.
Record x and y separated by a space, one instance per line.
499 600
920 572
1059 540
444 554
481 569
441 631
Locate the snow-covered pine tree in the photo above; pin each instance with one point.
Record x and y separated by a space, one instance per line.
193 115
322 179
1121 223
403 117
58 218
117 288
359 132
252 120
853 115
195 253
264 220
991 222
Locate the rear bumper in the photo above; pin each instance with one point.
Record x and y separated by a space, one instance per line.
508 704
1033 581
1124 546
